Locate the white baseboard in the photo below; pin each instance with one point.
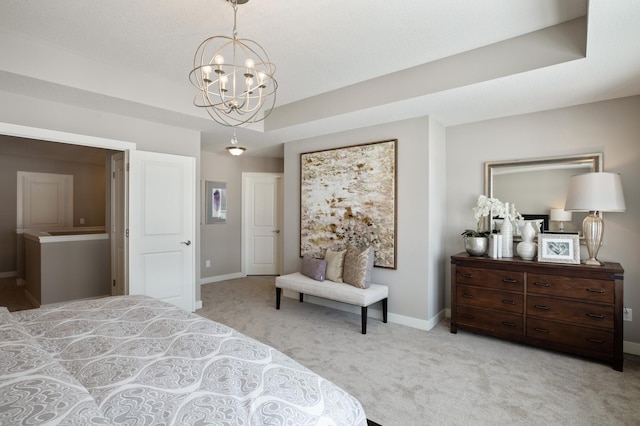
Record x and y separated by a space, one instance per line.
198 304
371 312
8 274
216 279
631 348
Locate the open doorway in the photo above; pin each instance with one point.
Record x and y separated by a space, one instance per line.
87 159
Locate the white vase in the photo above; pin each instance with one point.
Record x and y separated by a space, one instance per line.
527 249
506 230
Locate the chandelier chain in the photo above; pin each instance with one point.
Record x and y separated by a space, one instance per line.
234 4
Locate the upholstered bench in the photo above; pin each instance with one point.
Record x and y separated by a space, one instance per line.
339 292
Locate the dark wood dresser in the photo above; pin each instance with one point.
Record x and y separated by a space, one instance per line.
570 308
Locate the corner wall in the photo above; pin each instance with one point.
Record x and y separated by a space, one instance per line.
417 277
611 127
222 243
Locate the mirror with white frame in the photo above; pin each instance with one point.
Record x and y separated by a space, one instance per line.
538 185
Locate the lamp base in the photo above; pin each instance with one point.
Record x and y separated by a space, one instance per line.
593 228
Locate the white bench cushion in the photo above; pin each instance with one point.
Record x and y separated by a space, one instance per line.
339 292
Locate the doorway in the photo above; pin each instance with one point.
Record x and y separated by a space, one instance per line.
262 223
114 145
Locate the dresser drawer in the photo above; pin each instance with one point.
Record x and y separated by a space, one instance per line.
503 280
571 335
489 320
576 288
490 299
568 311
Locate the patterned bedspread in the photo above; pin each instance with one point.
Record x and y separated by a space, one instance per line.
134 360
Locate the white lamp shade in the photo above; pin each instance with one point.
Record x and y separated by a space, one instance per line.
598 191
560 215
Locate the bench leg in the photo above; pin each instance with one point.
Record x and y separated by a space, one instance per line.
384 310
278 295
364 320
301 297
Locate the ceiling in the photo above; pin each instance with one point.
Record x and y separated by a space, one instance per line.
340 64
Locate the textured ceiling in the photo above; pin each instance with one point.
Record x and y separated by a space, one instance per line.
135 56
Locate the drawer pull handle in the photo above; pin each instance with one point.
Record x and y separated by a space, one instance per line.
468 296
542 307
509 324
467 276
541 330
509 302
595 290
542 284
597 316
589 339
509 280
468 316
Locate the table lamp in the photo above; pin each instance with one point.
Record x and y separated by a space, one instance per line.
560 215
595 192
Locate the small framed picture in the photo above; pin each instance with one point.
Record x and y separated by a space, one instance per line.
559 248
215 202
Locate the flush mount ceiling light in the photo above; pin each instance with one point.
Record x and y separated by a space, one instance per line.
234 149
234 78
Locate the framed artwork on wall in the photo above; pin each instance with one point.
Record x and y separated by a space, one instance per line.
349 196
215 202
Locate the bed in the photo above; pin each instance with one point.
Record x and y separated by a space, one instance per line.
135 360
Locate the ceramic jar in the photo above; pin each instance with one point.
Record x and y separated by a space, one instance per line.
527 249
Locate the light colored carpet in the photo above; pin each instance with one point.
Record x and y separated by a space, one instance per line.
404 376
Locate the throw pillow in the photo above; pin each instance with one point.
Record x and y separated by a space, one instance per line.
335 264
358 266
313 268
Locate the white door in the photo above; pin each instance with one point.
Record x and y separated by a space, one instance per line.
45 200
262 222
118 225
162 227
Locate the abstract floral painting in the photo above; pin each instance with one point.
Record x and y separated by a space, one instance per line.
348 196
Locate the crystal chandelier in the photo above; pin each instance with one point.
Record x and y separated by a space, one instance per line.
234 78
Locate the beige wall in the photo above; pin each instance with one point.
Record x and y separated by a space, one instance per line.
88 193
415 294
611 127
221 243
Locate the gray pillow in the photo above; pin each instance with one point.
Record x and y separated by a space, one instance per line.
313 268
358 266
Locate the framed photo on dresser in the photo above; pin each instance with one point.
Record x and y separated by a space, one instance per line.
559 248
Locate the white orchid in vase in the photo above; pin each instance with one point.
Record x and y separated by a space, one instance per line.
489 207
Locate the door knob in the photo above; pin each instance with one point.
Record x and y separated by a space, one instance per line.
186 243
277 231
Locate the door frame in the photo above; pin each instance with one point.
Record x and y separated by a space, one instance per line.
121 192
